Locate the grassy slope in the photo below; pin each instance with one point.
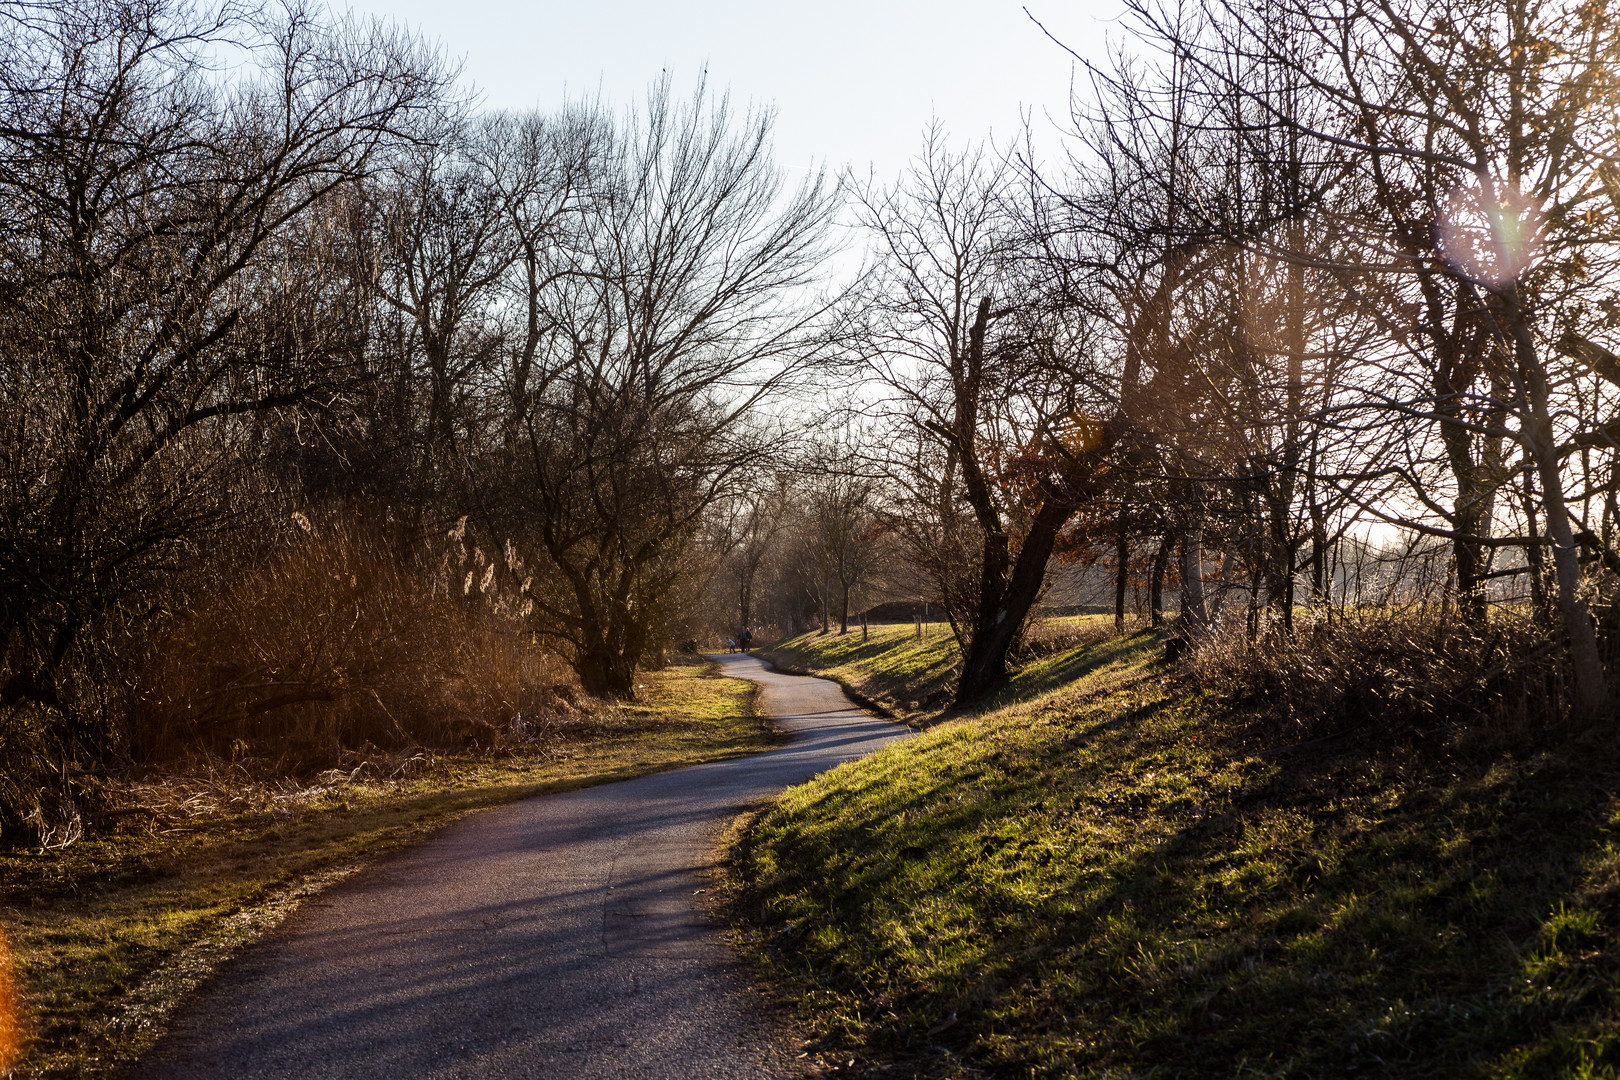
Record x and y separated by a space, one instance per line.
890 665
912 676
98 928
1108 876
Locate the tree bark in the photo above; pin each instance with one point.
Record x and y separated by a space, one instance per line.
1161 563
1122 552
1475 502
1591 691
606 673
984 664
1194 613
1534 556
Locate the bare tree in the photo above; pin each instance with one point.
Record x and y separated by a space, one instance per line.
678 303
1419 194
981 367
154 215
1484 132
840 504
457 242
748 527
444 245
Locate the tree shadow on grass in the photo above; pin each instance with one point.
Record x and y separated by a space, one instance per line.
1068 669
1281 935
1368 911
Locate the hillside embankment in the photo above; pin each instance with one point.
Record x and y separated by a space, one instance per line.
1111 870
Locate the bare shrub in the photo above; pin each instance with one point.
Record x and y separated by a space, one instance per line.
35 796
1046 637
336 644
1397 667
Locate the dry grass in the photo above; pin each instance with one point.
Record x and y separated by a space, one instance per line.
324 647
1396 669
1050 636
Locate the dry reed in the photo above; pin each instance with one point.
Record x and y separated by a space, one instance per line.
1412 668
337 646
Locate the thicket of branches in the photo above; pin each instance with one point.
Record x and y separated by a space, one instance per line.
333 411
1311 281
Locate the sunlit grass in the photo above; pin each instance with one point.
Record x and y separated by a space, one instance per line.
913 675
1101 875
94 926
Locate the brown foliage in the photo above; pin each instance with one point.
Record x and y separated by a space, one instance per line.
1404 669
334 644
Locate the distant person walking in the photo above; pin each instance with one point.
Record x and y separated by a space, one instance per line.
747 638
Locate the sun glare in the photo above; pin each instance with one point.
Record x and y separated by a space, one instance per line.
10 1010
1490 232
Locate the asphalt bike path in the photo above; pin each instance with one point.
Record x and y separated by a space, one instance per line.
563 936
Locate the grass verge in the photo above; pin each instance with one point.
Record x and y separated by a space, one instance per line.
110 933
1107 873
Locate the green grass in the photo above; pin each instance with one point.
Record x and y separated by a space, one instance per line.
1105 874
914 676
111 932
889 665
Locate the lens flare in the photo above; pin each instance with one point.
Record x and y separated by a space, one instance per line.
11 1026
1489 232
1080 433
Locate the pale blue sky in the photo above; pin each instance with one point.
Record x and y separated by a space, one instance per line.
854 81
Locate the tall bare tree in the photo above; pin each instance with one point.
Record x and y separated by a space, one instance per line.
984 370
681 299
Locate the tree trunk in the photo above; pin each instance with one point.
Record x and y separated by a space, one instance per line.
1586 664
984 663
1534 556
1122 552
1161 563
1280 491
1004 597
1472 511
1470 559
606 672
1194 614
1319 559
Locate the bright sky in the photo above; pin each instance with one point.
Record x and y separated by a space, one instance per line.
854 81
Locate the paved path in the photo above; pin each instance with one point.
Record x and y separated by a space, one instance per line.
557 937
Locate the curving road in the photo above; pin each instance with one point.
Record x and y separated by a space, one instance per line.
557 937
